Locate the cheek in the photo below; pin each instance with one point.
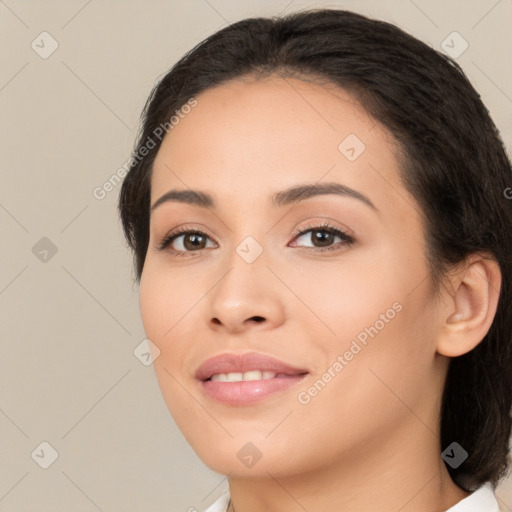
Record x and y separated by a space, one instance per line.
382 320
165 298
152 300
162 306
379 381
344 297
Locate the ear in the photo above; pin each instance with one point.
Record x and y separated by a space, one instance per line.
470 306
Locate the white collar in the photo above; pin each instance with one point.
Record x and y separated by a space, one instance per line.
481 500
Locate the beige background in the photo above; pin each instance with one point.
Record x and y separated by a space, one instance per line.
70 324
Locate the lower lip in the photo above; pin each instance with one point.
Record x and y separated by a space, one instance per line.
249 391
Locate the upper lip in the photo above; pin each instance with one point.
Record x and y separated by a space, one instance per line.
241 363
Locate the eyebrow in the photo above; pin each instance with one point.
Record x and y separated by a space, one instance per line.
279 199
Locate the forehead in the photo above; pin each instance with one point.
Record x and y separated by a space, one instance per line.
249 138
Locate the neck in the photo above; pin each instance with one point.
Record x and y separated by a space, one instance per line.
402 472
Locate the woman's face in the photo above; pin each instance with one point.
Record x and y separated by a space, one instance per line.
356 317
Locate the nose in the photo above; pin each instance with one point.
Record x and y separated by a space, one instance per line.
246 297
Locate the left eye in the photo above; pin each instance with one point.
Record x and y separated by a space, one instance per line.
322 238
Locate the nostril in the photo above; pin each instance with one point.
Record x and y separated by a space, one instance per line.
258 318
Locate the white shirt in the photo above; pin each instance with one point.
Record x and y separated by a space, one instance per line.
481 500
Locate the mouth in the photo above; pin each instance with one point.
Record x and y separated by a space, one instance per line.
243 379
249 376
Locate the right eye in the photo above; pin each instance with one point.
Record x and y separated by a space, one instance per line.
186 240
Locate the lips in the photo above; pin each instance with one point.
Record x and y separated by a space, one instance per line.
224 364
246 379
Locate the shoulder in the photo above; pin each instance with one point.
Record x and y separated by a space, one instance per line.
481 500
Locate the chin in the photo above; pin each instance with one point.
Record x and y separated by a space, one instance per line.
241 457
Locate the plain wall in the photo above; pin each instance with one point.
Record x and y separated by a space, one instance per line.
70 320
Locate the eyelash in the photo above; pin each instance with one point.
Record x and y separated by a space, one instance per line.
347 240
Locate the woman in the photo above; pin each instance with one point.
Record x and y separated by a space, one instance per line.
317 208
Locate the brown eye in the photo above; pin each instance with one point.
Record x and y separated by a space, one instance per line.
323 238
193 241
184 241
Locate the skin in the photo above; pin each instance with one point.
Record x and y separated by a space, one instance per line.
369 440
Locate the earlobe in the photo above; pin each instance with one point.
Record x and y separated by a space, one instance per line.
470 309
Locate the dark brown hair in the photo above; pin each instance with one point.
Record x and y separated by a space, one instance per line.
452 161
